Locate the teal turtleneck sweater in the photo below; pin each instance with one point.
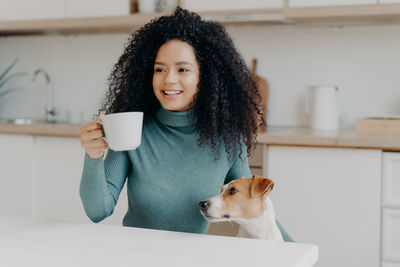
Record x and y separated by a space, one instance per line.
167 176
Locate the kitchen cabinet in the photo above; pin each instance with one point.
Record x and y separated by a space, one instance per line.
330 197
59 165
58 170
388 1
41 177
390 265
256 160
95 8
28 9
95 20
211 5
15 177
57 9
391 207
391 235
311 3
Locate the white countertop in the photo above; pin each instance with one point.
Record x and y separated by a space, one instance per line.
275 135
29 242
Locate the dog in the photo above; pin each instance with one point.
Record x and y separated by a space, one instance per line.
246 202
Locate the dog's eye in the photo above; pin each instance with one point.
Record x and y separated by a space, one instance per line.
232 191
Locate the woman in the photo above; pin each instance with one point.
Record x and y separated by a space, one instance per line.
201 107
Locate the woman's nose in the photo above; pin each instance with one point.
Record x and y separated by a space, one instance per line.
170 77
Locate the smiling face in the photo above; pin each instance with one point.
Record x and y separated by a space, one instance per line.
176 75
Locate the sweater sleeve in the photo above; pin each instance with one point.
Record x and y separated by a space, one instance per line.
240 166
102 182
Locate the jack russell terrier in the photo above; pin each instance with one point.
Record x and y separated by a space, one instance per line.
246 202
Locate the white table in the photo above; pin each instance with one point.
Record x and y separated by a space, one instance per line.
29 242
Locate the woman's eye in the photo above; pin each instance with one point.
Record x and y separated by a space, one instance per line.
158 70
232 191
183 70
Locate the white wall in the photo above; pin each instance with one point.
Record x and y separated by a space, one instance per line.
363 61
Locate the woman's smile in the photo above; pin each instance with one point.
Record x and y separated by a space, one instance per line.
171 92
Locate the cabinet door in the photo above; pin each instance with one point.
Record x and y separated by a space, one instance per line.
212 5
391 179
95 8
311 3
28 9
15 178
329 197
256 160
388 1
391 235
390 264
59 165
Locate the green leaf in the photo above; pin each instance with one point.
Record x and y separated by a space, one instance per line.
8 69
3 82
11 90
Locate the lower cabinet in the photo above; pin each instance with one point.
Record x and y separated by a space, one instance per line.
330 197
391 209
41 176
59 165
391 235
16 166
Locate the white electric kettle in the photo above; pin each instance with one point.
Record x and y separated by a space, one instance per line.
322 106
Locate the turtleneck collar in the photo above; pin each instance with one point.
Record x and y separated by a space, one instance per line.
174 118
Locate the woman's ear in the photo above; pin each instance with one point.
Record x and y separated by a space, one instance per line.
260 186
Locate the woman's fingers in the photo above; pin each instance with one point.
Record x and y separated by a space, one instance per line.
93 125
97 143
91 138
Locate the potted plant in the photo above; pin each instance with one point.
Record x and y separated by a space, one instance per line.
5 78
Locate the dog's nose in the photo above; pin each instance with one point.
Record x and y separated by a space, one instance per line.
204 205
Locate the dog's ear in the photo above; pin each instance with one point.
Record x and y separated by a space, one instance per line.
260 186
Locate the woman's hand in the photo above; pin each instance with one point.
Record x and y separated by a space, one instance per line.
91 141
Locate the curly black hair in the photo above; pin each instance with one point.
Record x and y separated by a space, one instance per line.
228 103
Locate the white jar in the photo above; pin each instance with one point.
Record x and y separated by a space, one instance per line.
167 5
147 6
322 106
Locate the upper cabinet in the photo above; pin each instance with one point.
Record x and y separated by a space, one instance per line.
11 10
212 5
96 8
92 16
388 1
319 3
28 9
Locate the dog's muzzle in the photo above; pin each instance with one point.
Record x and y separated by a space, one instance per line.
204 205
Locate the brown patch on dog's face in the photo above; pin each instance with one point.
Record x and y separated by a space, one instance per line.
243 198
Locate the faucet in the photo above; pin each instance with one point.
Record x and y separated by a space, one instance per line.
49 109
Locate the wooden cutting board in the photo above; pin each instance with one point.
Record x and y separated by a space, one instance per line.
263 87
379 125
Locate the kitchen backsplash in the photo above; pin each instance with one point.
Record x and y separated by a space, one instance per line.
363 61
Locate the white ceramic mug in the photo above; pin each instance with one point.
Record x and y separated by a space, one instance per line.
123 131
322 106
